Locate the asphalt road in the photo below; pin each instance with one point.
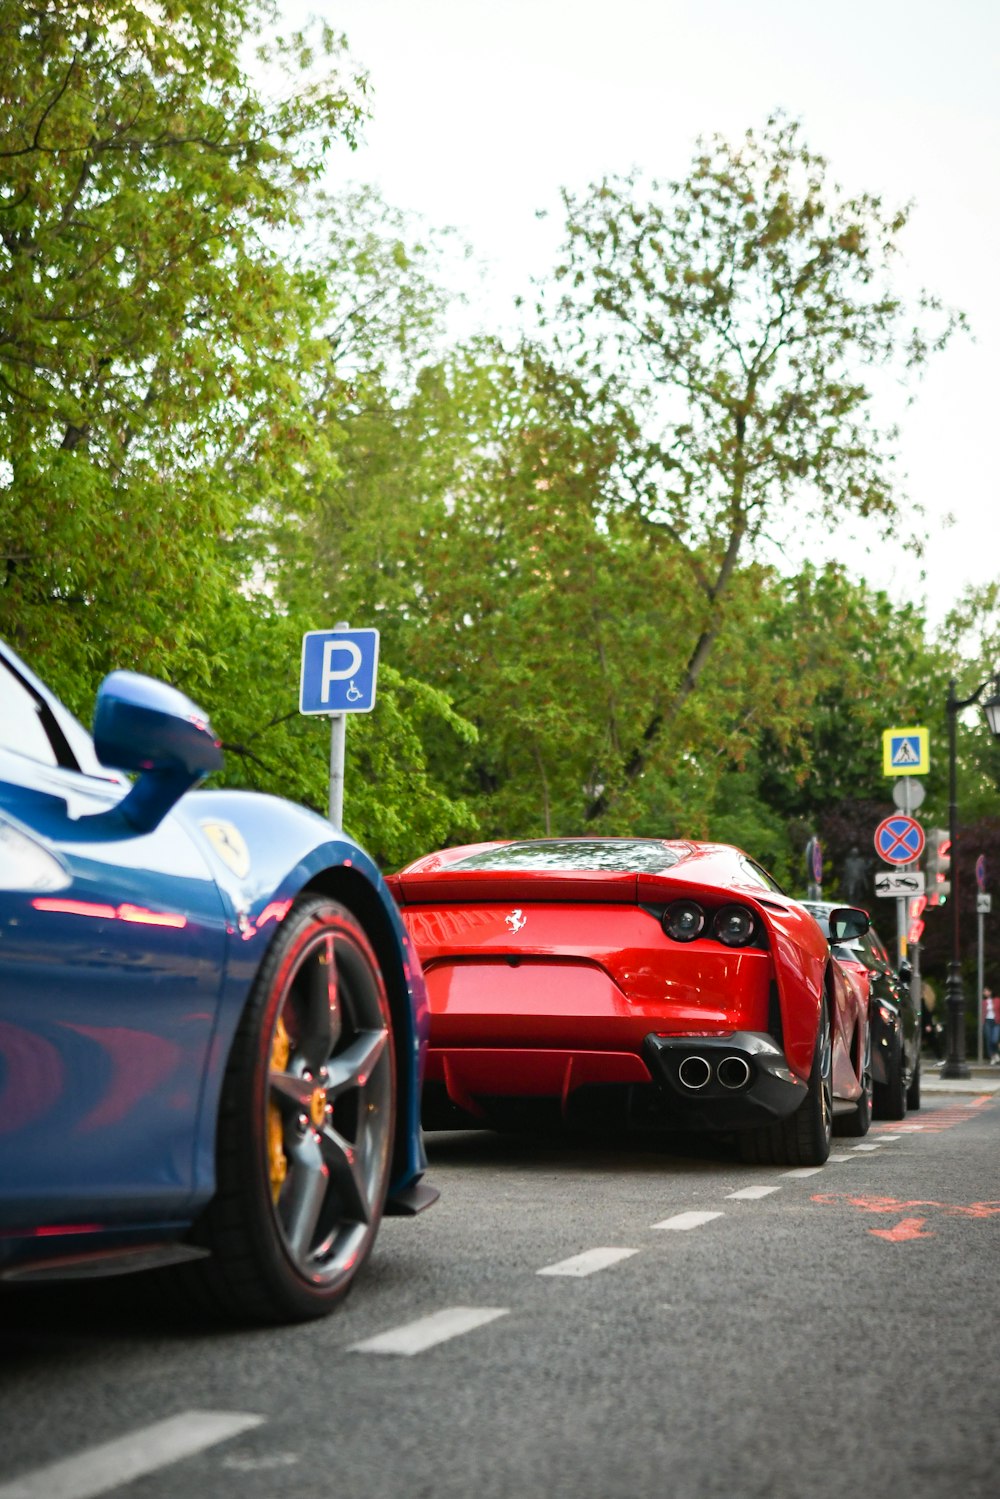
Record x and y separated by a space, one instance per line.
594 1320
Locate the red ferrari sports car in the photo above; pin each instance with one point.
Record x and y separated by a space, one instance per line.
673 980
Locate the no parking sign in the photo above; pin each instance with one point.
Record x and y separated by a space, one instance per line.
899 839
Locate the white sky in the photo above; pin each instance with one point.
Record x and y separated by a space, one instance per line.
483 109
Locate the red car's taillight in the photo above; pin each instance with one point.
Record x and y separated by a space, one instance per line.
684 920
735 926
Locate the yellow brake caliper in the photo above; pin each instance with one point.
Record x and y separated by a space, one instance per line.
281 1047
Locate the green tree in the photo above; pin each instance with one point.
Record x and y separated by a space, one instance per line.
729 321
843 663
157 357
861 664
393 802
467 520
175 356
970 636
476 521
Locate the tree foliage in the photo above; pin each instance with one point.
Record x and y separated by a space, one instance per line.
156 351
174 363
229 412
729 320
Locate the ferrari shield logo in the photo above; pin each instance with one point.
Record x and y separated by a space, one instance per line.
230 845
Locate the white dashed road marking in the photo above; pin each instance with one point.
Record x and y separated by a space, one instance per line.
416 1337
587 1263
802 1171
687 1220
97 1470
887 1139
873 1145
751 1194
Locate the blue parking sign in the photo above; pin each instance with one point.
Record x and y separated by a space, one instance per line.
339 669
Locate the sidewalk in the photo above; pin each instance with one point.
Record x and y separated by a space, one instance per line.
984 1079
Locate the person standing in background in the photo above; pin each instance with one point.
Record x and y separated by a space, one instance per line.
991 1027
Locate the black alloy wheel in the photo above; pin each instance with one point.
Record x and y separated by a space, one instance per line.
306 1125
803 1139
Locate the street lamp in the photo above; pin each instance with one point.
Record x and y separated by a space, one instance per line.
955 1063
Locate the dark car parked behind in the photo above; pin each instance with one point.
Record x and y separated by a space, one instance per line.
895 1020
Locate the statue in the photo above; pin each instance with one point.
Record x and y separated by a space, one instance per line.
856 880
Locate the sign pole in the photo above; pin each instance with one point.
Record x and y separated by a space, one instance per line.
339 672
814 869
906 753
916 997
982 906
981 976
902 904
338 757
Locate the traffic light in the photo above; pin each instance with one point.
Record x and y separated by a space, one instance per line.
918 905
938 866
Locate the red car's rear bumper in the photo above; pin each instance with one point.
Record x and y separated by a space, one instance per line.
579 1004
537 1028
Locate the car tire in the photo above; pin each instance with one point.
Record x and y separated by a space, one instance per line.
803 1139
306 1125
890 1098
913 1091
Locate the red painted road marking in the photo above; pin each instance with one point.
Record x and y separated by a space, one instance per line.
932 1121
871 1204
906 1228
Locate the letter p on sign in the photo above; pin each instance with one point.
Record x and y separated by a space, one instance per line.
339 670
330 675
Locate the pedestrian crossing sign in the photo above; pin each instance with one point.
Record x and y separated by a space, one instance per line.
906 752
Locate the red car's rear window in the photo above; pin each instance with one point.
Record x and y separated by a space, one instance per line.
616 855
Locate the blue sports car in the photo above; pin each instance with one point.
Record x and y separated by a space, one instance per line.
212 1023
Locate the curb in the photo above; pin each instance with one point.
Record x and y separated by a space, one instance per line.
983 1080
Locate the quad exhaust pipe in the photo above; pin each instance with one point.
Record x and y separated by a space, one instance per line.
695 1072
733 1072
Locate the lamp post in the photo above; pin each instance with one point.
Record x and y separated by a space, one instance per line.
955 1063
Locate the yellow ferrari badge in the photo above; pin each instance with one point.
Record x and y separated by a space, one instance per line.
230 845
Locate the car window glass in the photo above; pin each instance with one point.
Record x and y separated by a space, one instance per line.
757 876
21 727
871 952
625 855
878 951
820 916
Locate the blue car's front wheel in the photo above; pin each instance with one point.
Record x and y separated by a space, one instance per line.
306 1125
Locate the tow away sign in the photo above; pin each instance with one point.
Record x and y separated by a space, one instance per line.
899 882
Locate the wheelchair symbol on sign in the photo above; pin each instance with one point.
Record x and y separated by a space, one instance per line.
352 694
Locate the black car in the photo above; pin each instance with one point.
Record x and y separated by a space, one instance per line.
895 1019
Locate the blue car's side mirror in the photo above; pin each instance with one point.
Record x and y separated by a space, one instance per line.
149 727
